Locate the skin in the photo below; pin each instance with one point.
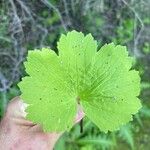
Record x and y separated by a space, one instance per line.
17 133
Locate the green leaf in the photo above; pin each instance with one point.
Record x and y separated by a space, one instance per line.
77 53
101 82
50 98
112 93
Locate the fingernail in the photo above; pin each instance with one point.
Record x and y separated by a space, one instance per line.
23 108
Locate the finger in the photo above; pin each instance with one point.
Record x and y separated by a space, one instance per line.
80 114
36 128
16 112
16 108
52 138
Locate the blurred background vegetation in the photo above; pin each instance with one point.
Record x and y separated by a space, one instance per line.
30 24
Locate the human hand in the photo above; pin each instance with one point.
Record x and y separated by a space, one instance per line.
17 133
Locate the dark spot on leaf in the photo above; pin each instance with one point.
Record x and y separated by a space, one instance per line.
40 98
74 46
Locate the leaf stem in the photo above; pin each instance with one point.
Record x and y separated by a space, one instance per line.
81 126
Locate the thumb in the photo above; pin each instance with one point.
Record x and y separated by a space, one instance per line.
16 112
16 109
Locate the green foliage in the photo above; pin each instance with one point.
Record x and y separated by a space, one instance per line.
145 85
102 142
90 138
126 134
2 108
124 32
6 96
96 24
146 48
4 22
106 20
146 20
51 20
145 111
100 81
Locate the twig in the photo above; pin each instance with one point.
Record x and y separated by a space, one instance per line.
136 39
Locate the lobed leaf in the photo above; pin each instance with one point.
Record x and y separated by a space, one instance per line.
102 82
